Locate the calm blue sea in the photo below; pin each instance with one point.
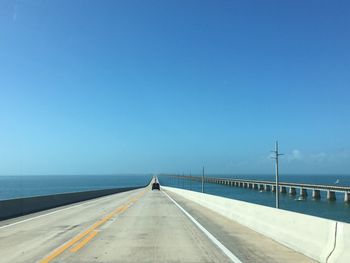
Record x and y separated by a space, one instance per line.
337 210
25 186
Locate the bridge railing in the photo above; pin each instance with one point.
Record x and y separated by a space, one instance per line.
270 186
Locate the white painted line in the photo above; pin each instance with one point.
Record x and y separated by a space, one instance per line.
227 252
59 210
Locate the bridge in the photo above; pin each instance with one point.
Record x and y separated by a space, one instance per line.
170 225
284 187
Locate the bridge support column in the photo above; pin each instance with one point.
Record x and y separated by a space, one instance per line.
267 187
331 195
273 188
245 185
347 197
316 194
303 192
283 189
292 191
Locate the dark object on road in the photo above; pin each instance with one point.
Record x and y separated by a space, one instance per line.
155 186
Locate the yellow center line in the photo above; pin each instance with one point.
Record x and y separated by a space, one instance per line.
84 242
70 243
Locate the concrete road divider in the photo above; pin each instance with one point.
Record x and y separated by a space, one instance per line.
341 253
321 239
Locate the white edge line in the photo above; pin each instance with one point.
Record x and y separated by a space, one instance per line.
87 202
227 252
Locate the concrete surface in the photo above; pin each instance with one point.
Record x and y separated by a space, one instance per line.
246 244
152 230
341 253
40 233
135 226
147 229
309 235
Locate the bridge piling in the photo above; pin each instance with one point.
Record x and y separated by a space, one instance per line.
316 194
303 192
346 197
273 188
283 189
331 195
292 191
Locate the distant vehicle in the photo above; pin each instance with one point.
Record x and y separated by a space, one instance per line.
155 186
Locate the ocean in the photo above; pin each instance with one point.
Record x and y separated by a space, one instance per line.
336 210
35 185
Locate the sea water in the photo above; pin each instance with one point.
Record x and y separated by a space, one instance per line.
35 185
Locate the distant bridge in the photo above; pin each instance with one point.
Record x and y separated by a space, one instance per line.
271 186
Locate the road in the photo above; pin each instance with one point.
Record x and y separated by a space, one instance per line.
135 226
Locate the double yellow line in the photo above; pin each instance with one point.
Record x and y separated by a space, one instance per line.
90 233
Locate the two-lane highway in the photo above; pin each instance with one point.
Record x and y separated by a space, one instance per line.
31 238
136 226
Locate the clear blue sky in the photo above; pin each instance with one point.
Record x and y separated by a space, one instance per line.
89 87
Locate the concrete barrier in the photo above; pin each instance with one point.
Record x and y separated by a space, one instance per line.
22 206
309 235
341 253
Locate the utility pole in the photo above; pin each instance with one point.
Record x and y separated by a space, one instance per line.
203 180
276 155
183 180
